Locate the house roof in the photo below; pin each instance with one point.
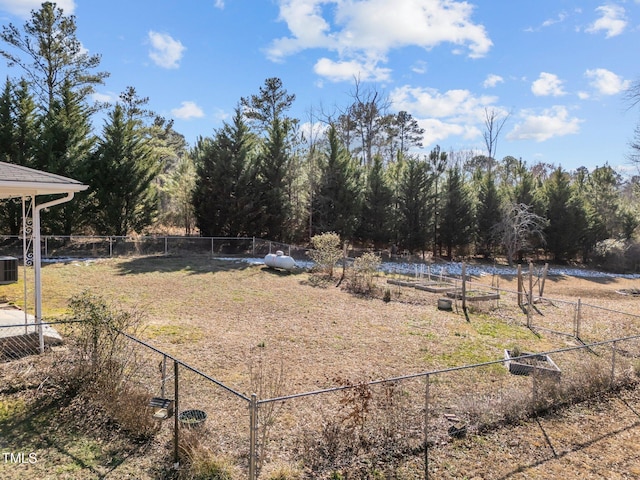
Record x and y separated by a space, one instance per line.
18 181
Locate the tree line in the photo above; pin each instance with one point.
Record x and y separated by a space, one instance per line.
353 171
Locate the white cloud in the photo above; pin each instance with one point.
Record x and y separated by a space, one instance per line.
219 4
420 67
547 84
612 21
370 29
457 105
492 80
220 115
552 122
22 8
444 114
562 16
187 110
436 131
606 82
166 52
103 97
348 70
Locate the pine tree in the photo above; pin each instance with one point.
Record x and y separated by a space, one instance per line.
565 215
123 178
225 197
456 227
375 223
272 183
51 56
66 143
487 214
336 204
413 205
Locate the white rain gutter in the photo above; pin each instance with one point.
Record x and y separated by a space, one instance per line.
37 258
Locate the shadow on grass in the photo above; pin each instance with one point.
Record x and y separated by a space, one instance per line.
189 265
73 445
281 273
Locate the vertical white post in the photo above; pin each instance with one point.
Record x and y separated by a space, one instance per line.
37 257
613 363
426 429
253 425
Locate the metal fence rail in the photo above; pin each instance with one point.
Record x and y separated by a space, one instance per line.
383 423
95 246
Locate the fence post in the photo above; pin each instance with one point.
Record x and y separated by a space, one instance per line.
176 409
519 285
253 424
253 247
426 429
110 247
534 388
166 246
578 315
613 363
464 287
164 376
530 299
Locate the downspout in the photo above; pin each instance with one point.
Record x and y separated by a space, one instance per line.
37 258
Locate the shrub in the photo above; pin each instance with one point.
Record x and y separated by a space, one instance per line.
201 463
363 272
326 252
103 363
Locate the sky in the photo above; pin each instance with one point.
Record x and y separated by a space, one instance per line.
557 71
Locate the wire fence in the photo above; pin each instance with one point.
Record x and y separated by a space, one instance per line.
94 246
366 427
388 426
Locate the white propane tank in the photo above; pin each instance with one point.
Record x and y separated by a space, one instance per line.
279 260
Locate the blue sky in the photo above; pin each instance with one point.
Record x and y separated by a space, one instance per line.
559 68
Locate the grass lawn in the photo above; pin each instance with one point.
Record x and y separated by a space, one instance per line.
262 331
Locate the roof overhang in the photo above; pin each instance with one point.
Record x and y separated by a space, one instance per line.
19 181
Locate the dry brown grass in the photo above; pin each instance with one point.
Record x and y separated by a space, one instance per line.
218 316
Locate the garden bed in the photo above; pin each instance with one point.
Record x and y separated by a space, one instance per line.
436 287
474 295
526 363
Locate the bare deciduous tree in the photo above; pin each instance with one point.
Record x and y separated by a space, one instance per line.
494 120
518 227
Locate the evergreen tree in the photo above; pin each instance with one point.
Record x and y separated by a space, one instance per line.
375 220
225 197
269 105
272 183
177 190
413 205
337 201
456 228
123 173
66 142
438 164
19 129
565 216
51 56
487 214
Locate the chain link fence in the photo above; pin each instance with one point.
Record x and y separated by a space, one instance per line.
359 428
80 246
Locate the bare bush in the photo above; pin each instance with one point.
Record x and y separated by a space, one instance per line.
371 431
102 363
202 463
363 272
266 382
326 252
